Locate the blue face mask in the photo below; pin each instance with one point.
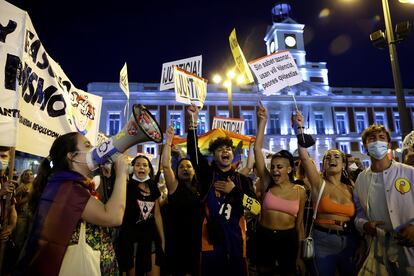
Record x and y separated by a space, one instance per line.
378 149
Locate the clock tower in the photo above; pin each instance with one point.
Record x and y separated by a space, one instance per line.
286 34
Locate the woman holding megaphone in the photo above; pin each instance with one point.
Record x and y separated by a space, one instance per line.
63 199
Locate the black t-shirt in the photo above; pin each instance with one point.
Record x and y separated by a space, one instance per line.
140 207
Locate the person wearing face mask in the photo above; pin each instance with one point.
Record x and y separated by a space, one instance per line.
62 197
6 190
183 213
384 198
225 194
355 166
141 236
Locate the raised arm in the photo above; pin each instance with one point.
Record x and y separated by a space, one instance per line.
111 213
310 169
170 179
250 162
262 171
199 162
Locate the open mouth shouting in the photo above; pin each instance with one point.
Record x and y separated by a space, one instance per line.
276 176
141 173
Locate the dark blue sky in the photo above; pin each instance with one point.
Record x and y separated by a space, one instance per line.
91 41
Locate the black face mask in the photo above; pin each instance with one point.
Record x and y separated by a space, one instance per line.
305 140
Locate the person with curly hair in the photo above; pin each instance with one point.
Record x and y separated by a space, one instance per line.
225 194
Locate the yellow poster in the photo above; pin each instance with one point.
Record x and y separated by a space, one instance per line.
239 58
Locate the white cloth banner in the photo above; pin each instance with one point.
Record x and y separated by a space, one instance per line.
123 80
37 100
189 88
230 124
192 65
276 71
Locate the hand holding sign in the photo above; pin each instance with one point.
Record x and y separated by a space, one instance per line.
193 111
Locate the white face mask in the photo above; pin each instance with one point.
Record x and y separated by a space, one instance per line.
86 152
140 180
353 167
378 149
3 165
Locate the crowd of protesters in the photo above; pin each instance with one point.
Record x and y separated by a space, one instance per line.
216 219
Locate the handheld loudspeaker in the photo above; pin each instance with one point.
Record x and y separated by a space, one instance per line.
141 127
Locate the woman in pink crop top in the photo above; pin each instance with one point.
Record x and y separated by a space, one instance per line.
280 226
334 240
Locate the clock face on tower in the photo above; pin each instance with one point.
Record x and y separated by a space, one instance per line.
290 41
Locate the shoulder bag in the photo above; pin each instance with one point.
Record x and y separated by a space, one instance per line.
308 251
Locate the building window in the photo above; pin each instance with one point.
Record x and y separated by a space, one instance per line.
344 147
248 123
150 148
366 163
361 124
316 79
397 125
274 124
380 119
341 123
320 126
175 119
362 148
224 114
202 123
154 113
113 125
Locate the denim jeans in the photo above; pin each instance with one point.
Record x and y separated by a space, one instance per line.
334 253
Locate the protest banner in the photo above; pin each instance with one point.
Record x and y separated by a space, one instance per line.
123 84
192 65
37 100
230 124
123 80
189 88
276 71
239 58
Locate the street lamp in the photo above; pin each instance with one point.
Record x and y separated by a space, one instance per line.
228 83
379 39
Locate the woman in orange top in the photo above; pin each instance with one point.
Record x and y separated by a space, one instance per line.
334 240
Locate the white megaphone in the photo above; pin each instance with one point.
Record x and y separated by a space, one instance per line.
141 127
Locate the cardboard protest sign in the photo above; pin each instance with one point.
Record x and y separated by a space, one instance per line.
189 88
239 58
37 100
192 65
276 71
230 124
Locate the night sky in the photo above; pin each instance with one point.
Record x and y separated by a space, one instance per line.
91 41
